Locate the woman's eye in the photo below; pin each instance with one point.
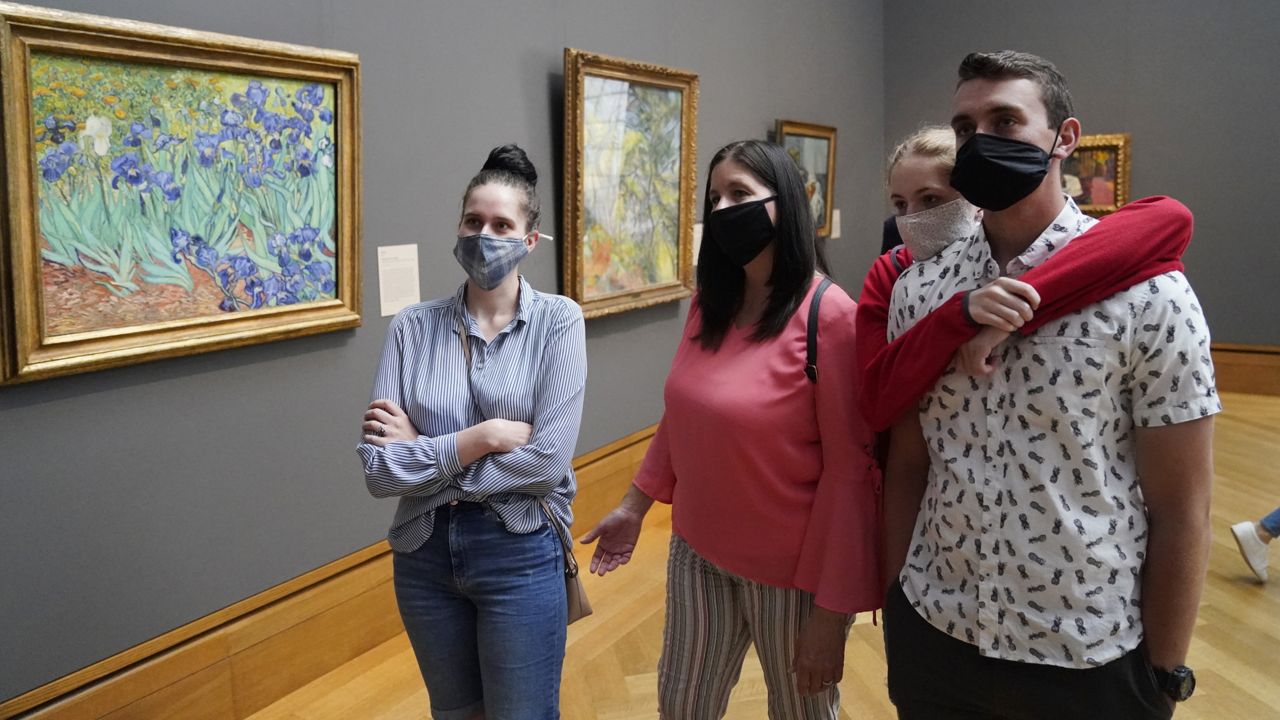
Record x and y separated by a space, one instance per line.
900 208
931 200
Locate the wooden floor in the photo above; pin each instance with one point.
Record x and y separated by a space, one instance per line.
610 666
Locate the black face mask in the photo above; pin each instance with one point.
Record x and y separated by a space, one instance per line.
741 231
995 172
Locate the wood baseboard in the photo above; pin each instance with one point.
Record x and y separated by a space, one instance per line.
236 661
1251 369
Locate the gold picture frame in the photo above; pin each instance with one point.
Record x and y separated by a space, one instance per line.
813 147
170 192
629 176
1096 174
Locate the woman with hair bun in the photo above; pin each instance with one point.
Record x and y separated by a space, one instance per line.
475 414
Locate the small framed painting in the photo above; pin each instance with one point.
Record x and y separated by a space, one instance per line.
813 147
1096 175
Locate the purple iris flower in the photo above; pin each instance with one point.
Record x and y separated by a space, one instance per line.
311 94
257 297
326 115
53 165
206 146
242 266
54 129
256 93
304 166
126 167
231 118
165 140
206 257
137 131
172 190
227 305
318 270
273 123
181 241
277 243
273 285
304 112
298 127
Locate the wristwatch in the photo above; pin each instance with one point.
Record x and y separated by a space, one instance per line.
1177 683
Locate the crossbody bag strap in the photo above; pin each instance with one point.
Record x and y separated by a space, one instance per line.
570 562
811 337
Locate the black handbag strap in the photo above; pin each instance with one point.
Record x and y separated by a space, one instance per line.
811 339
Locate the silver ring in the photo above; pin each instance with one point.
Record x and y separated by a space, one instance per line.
382 429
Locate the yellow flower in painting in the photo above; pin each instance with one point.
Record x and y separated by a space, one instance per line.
120 113
76 92
171 83
41 91
215 80
110 99
192 82
57 85
96 77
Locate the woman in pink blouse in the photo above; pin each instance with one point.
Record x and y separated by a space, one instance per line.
773 490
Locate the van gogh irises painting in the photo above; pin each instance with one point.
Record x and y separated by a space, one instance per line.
171 199
629 175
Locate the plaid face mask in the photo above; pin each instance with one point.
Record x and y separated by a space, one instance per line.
487 258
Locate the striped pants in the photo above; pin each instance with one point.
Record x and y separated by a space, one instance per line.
712 618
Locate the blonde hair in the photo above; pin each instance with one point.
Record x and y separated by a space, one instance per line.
931 141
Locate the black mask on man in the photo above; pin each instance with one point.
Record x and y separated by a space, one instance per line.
741 231
995 172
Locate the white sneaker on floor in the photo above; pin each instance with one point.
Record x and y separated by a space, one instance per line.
1252 548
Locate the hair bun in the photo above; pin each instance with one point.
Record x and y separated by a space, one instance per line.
512 159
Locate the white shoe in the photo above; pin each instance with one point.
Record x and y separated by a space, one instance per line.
1252 548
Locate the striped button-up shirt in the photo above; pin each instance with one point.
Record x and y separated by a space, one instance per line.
533 371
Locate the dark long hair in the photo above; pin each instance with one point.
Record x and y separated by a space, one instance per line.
795 255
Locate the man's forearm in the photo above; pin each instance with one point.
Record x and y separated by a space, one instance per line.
1173 578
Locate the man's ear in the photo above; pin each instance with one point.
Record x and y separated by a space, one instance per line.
1068 138
531 240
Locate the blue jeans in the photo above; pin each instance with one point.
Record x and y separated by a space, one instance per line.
1271 523
484 609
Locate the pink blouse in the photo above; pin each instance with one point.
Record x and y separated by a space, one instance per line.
770 476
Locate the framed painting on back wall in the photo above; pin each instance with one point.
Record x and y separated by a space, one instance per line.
629 182
170 192
1096 175
813 147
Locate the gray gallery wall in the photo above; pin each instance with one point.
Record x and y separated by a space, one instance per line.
138 499
1193 82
